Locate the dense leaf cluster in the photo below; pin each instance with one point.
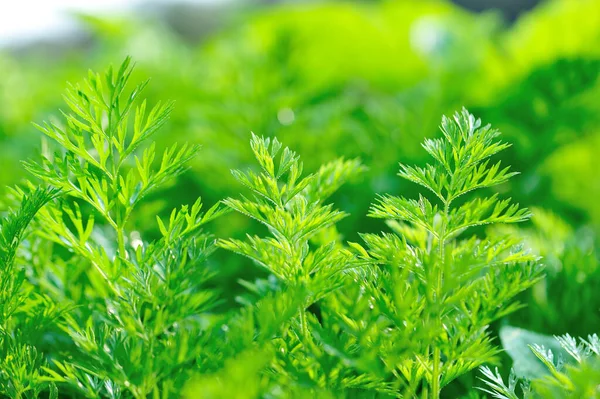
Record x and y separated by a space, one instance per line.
93 307
574 377
351 79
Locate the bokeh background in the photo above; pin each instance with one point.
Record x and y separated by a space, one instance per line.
368 79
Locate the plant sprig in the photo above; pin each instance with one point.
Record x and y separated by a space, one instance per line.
136 325
453 288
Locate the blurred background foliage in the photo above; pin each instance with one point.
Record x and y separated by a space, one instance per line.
366 79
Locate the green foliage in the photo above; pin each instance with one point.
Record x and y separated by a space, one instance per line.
22 314
575 377
438 287
516 342
292 209
572 268
392 68
137 303
300 254
103 302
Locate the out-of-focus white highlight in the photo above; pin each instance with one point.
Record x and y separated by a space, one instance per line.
25 20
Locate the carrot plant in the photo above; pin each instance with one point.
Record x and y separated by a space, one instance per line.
433 288
136 303
94 305
23 312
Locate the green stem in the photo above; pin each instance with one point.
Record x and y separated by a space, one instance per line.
120 227
121 241
303 323
295 254
120 219
442 251
439 277
116 164
435 377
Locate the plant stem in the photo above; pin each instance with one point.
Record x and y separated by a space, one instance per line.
120 230
120 222
121 241
303 323
439 276
113 151
442 251
435 377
